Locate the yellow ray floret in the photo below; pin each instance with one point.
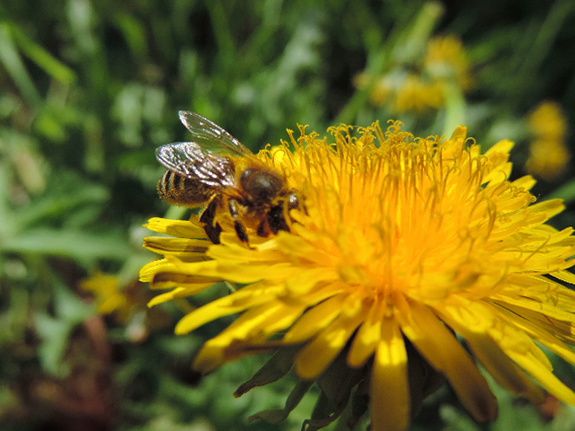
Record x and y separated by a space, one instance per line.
400 243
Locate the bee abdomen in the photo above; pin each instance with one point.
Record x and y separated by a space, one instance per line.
170 184
179 190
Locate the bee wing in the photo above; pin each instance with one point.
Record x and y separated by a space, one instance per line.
190 160
211 136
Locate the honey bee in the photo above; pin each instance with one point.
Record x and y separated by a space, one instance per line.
218 171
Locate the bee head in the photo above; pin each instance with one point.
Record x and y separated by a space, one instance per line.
261 186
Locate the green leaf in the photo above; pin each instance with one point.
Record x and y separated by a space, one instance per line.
51 65
275 416
55 330
565 192
68 243
277 367
10 58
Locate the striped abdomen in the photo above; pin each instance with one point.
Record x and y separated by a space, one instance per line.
179 190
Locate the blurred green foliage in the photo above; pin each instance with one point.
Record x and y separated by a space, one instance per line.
89 88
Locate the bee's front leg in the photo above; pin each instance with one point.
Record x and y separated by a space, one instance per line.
278 217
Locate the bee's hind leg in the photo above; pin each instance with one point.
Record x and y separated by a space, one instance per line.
212 228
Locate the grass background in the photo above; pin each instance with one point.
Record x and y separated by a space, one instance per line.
89 88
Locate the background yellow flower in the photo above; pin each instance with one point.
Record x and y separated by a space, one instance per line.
549 156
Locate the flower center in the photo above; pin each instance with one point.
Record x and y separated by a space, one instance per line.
401 217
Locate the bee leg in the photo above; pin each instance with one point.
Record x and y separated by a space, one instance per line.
263 228
212 228
213 232
239 227
241 232
276 219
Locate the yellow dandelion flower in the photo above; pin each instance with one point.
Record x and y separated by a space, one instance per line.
547 159
108 293
403 248
423 83
548 152
447 61
548 121
417 95
380 92
404 92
